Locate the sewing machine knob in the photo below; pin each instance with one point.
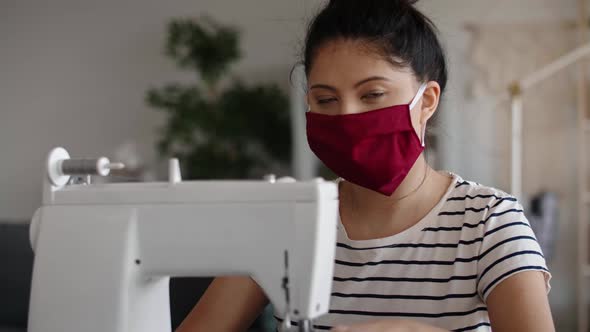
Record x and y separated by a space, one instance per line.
286 179
270 178
174 175
53 164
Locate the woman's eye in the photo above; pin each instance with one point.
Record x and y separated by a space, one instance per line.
326 100
373 95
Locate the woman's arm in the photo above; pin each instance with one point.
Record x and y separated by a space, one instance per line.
230 304
520 303
394 325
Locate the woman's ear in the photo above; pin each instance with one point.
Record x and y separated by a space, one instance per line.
430 101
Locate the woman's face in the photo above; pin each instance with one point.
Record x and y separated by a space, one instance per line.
347 77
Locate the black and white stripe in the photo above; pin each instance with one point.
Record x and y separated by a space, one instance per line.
439 272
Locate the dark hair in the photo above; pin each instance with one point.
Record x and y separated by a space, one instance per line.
401 33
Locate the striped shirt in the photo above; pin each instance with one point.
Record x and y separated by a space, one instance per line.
439 271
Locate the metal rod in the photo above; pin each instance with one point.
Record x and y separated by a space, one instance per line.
305 326
582 103
555 66
516 151
80 167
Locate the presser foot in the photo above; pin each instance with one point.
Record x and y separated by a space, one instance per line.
305 326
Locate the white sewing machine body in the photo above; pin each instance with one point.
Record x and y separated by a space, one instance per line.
104 252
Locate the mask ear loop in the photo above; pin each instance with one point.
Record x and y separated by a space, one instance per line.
413 104
418 95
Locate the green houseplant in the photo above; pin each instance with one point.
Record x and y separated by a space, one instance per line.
237 131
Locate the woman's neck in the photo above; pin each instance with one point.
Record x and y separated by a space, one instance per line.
368 214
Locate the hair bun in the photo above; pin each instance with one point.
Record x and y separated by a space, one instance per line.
408 2
333 3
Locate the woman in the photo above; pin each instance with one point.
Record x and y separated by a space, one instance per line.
418 250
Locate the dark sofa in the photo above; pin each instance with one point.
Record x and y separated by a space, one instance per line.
16 265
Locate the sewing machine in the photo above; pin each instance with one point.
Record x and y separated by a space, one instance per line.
104 253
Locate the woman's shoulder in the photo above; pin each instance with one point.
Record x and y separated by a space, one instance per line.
506 242
471 192
480 205
474 189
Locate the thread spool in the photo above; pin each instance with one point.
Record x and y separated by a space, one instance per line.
87 166
60 167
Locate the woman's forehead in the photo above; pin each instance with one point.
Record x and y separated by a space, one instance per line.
346 62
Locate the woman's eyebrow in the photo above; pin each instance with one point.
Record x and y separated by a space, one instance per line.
372 78
329 87
323 86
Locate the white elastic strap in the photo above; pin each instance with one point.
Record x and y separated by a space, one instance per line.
418 95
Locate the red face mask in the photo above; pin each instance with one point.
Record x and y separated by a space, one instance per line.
374 149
